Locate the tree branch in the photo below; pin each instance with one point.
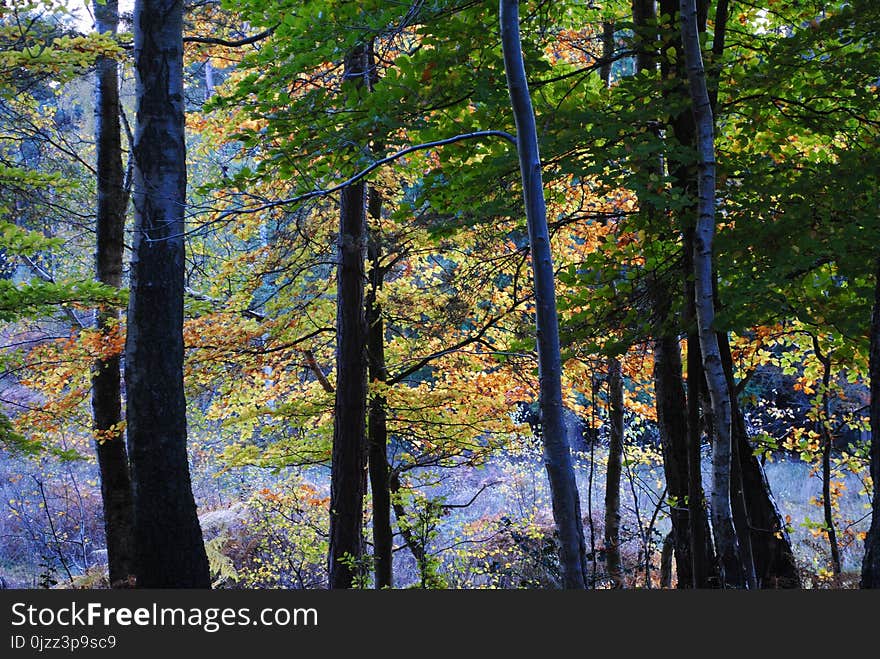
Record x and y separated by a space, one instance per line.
214 41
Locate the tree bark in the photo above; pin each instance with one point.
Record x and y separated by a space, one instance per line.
871 560
613 472
607 51
733 571
169 549
703 563
557 454
377 424
673 426
668 384
106 377
348 477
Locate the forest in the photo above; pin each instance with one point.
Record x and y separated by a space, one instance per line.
439 294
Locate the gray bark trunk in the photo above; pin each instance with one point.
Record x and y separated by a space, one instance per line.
169 548
557 455
733 573
106 377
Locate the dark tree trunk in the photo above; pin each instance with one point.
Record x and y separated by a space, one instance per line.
773 557
827 445
169 548
377 429
557 454
106 378
613 472
668 383
607 51
666 555
703 562
673 426
871 560
348 478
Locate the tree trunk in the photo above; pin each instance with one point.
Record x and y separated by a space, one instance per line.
557 454
668 384
106 377
169 548
733 572
703 560
703 565
377 429
347 480
607 51
672 423
666 555
871 560
613 472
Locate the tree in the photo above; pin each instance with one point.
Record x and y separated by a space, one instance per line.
557 456
871 561
169 548
106 379
348 478
612 474
734 572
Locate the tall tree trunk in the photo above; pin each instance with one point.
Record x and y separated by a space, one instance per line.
106 377
557 454
703 561
347 480
775 566
733 571
871 560
613 472
169 549
668 383
377 425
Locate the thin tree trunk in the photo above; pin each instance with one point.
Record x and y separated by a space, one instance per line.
613 472
733 572
703 559
106 377
170 552
347 480
871 560
557 454
822 423
741 518
377 428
